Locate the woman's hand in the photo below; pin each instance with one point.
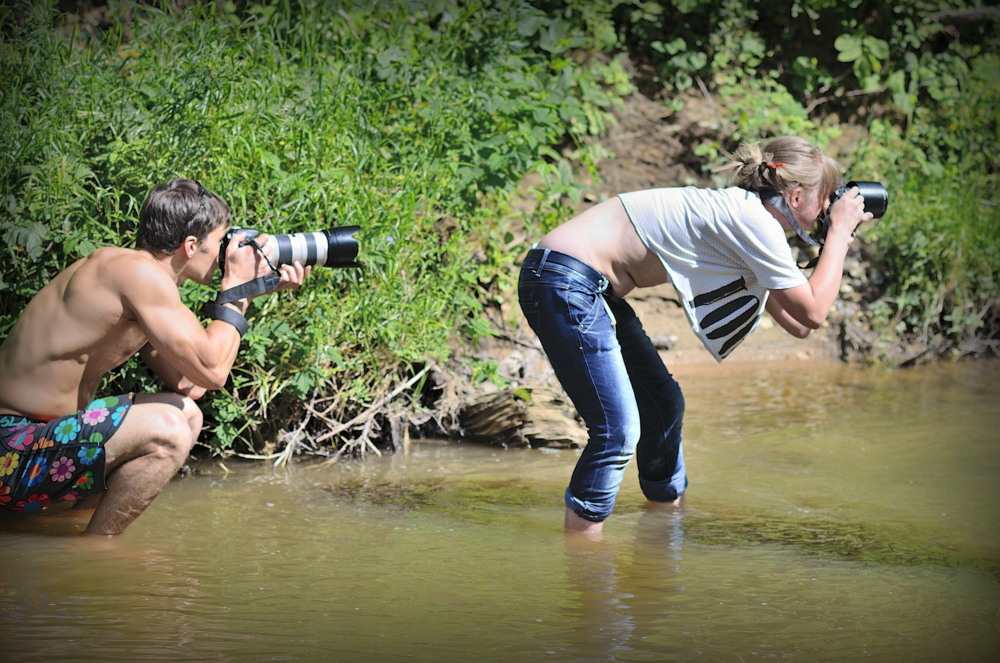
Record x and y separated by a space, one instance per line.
847 214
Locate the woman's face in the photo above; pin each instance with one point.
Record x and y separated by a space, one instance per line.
807 207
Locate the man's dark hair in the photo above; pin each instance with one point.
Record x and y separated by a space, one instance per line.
176 210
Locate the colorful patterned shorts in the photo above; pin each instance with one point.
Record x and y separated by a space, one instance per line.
60 460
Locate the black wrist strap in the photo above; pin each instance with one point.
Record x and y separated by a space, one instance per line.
266 283
217 311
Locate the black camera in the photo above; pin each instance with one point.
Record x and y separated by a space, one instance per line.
876 201
333 247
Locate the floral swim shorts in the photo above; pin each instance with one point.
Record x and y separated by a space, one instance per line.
62 460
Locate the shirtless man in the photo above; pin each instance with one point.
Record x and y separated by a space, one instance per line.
57 443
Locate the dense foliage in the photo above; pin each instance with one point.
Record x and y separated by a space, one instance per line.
920 78
415 120
404 122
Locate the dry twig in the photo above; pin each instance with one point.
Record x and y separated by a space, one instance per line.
367 416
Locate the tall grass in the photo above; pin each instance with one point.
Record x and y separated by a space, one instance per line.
406 121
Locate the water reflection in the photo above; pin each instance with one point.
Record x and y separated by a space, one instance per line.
832 515
604 620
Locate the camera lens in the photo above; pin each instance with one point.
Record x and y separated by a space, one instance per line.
342 248
333 247
875 195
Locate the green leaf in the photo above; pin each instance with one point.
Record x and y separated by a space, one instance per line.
565 173
528 24
848 47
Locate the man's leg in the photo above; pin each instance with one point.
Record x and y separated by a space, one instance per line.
152 443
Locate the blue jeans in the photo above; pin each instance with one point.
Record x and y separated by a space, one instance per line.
615 378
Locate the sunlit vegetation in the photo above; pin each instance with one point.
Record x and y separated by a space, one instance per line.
417 120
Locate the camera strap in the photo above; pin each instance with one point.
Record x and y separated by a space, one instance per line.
773 198
252 242
227 315
259 286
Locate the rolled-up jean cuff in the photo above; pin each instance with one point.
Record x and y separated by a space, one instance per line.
667 490
662 491
586 510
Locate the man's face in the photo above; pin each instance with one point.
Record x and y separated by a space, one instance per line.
206 258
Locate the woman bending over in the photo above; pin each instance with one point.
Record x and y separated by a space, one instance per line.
726 254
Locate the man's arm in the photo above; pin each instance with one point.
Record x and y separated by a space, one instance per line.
203 356
182 351
175 379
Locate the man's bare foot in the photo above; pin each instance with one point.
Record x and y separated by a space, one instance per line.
574 523
676 504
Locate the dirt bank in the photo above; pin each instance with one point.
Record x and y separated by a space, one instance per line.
650 147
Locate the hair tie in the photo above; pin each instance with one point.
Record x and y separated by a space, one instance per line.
773 165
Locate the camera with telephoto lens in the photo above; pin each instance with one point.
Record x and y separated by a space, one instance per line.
333 247
876 201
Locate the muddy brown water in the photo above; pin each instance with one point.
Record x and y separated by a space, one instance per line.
834 514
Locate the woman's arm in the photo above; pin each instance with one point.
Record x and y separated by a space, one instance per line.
809 303
787 322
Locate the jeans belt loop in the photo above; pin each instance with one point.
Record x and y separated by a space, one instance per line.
604 300
541 263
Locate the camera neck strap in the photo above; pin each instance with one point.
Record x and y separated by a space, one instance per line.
254 244
251 242
773 198
258 286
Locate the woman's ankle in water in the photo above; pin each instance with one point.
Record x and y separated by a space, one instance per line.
674 504
574 523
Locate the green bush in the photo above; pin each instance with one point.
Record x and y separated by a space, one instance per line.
408 120
922 81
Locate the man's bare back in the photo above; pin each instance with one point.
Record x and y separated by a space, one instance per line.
75 330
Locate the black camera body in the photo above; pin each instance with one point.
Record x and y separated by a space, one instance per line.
876 201
333 247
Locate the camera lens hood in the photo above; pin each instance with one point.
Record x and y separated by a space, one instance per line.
343 248
875 195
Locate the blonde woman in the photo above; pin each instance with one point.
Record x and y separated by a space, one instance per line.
726 254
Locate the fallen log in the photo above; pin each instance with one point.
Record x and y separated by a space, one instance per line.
523 417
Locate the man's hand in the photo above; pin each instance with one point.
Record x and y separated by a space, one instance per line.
241 260
292 275
243 263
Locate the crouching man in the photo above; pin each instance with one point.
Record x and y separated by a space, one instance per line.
57 442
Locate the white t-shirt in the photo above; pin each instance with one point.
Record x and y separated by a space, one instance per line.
722 250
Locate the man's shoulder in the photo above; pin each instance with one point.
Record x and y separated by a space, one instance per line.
129 263
128 271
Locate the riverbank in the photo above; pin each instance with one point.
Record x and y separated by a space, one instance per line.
418 125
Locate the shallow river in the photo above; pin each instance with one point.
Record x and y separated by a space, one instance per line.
834 514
